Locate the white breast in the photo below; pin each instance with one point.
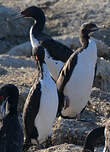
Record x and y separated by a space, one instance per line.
53 65
78 88
48 106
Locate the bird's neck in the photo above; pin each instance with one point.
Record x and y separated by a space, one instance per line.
38 26
11 105
84 40
43 70
39 67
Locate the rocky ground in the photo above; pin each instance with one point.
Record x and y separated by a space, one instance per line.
64 18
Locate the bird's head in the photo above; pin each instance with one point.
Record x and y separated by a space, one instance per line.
88 28
7 93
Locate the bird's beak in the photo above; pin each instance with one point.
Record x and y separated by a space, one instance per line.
101 27
19 16
97 28
16 17
94 29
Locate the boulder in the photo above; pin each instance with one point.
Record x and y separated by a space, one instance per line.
21 50
102 79
62 148
2 71
11 32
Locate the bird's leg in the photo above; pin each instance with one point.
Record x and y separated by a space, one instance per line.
37 142
48 142
27 144
66 102
40 146
78 117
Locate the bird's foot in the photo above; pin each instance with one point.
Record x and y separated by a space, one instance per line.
66 102
48 142
26 145
78 118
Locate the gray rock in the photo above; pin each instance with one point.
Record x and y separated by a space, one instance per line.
102 79
60 21
16 62
63 148
70 131
21 50
11 32
3 71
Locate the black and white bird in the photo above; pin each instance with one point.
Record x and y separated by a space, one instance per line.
76 77
41 105
11 132
94 135
56 54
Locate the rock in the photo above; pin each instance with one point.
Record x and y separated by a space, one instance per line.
101 95
2 71
70 131
21 50
99 101
65 39
102 79
103 49
16 62
63 148
60 21
11 32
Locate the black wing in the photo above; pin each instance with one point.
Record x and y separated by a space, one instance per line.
57 50
11 134
3 138
63 78
31 109
66 72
